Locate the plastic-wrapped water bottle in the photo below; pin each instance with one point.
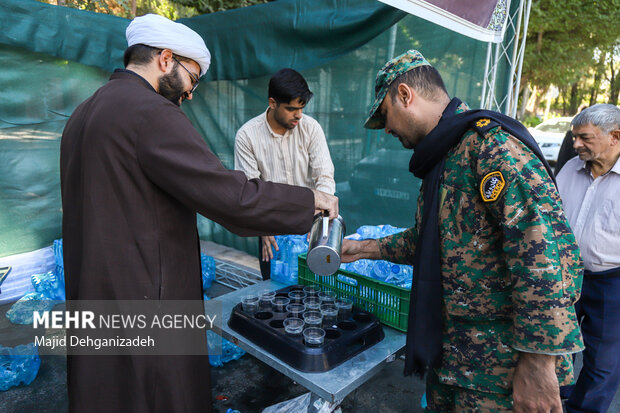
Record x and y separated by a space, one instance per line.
389 230
277 254
407 271
363 267
395 275
284 244
284 265
273 264
280 261
299 246
369 231
277 271
381 270
355 236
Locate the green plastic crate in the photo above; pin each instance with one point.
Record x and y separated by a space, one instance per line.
388 302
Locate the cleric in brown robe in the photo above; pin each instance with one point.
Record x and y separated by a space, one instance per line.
134 172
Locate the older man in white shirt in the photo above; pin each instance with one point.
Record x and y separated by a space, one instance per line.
285 146
590 188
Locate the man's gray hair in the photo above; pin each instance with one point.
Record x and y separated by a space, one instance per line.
604 116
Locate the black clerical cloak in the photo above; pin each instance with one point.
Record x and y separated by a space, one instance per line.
134 172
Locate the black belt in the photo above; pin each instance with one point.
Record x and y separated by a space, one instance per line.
613 273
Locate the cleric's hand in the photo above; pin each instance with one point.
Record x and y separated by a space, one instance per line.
325 202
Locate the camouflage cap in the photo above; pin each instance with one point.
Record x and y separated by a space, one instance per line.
388 73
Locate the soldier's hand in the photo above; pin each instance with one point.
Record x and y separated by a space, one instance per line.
357 250
325 202
535 385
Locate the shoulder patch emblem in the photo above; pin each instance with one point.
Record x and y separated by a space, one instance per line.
483 122
491 186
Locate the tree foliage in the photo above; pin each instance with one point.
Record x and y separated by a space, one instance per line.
212 6
173 9
573 44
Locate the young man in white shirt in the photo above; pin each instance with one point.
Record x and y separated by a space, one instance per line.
284 145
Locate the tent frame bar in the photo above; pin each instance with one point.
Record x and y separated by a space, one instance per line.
510 52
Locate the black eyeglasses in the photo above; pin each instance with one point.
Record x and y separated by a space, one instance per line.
195 80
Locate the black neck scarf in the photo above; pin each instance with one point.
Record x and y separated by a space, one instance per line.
425 323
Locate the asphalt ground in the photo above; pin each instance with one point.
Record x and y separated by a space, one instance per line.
247 384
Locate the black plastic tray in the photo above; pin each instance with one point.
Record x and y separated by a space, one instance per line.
342 341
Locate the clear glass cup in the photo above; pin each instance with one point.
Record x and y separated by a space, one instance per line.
313 318
330 314
249 303
312 303
327 297
295 310
278 304
293 325
297 296
312 290
265 298
314 336
345 308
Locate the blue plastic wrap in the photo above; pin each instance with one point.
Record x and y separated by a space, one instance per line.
19 282
229 350
21 311
18 365
58 258
50 285
207 264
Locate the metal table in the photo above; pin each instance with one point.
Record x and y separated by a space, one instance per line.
333 385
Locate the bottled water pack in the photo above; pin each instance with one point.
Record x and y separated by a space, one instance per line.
397 274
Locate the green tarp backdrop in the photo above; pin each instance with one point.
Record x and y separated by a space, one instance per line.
52 58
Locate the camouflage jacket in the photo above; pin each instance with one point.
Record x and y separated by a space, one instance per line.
510 265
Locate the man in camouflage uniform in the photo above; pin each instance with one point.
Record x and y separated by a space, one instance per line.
508 265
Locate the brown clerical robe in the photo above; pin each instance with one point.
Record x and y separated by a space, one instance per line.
134 172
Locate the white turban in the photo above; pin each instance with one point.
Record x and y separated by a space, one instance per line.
157 31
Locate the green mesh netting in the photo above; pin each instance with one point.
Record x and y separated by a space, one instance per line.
338 46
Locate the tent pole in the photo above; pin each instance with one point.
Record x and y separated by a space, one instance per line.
510 93
392 41
486 77
492 103
526 20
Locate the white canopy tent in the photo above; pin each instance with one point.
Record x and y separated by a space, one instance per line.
503 27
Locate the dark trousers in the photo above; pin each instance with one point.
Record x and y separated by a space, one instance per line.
599 310
265 266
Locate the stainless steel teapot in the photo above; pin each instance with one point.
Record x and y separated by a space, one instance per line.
325 244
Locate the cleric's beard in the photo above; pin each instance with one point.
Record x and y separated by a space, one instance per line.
171 86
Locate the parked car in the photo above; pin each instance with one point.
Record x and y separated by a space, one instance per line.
549 136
